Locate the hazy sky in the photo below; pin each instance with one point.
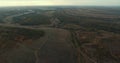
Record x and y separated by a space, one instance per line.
59 2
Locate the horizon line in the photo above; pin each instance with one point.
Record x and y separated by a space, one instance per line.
64 5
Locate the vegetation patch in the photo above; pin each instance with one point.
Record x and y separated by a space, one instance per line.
9 36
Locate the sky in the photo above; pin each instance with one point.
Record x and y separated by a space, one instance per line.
59 2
